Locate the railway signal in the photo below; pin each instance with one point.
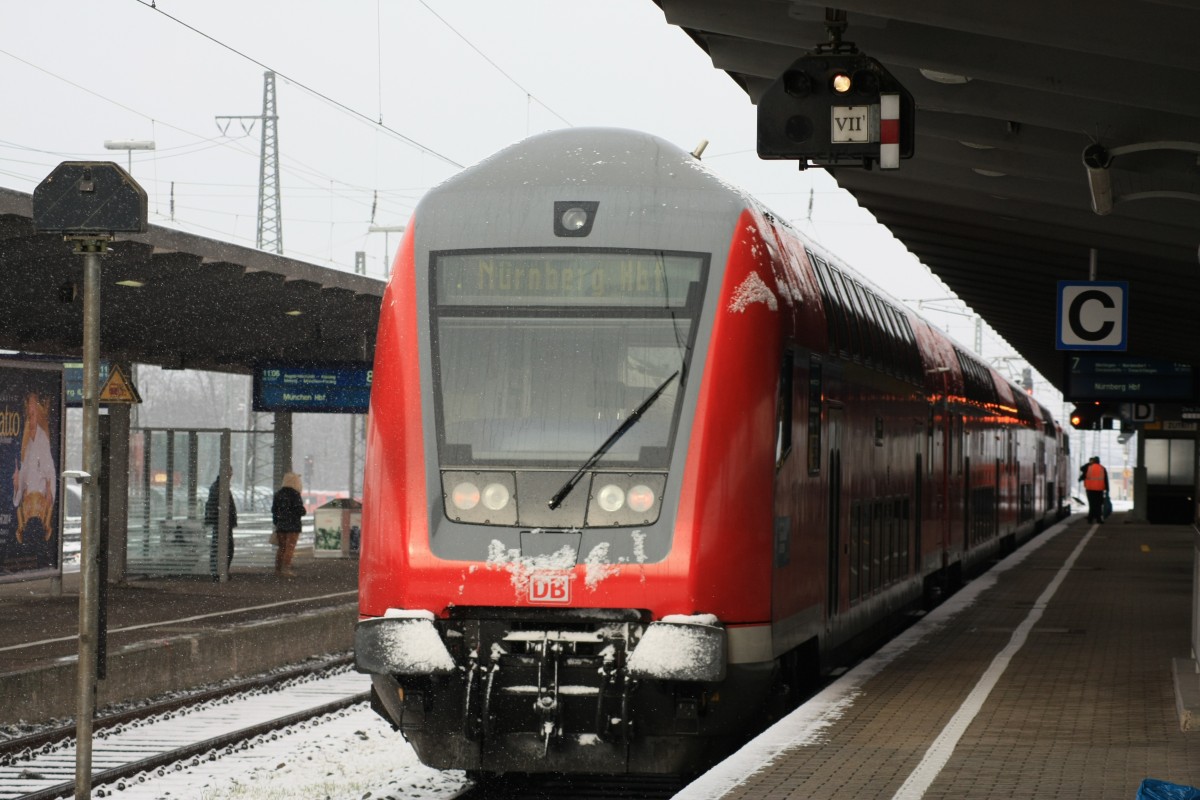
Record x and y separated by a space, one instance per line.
88 202
839 108
1094 416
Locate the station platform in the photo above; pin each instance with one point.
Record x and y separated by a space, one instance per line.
170 634
1050 676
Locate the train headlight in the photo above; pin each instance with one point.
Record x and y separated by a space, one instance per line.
495 496
610 498
465 496
641 498
493 504
625 499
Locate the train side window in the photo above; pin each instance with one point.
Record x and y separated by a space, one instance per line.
834 309
783 422
815 393
865 320
913 361
854 345
895 345
879 341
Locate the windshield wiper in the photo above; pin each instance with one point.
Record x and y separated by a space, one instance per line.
562 493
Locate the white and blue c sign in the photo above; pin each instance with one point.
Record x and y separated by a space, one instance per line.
1093 315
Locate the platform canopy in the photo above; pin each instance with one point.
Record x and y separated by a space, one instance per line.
179 301
996 199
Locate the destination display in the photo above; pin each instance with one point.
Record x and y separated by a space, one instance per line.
73 381
590 278
309 388
1096 376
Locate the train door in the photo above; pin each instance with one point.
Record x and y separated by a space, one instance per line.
919 517
955 503
834 512
939 470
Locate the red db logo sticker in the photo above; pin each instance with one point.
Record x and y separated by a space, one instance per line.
549 589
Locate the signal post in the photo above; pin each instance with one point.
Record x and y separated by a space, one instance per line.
88 202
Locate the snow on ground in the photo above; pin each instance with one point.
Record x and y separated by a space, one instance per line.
351 755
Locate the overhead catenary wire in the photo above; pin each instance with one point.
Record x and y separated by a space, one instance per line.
306 173
528 94
301 85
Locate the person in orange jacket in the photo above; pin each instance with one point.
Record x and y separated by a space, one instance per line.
1095 483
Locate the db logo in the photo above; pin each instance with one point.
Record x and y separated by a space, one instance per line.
550 589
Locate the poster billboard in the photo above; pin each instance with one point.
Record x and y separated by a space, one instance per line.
31 447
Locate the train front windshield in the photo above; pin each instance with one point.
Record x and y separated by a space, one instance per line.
539 356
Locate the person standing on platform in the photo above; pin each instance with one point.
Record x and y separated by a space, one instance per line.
212 514
287 509
1095 483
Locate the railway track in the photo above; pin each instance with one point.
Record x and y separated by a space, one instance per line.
191 729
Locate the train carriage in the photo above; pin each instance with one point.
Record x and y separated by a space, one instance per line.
640 457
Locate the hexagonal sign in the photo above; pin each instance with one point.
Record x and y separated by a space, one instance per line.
89 197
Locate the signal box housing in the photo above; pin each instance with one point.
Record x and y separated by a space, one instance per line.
89 197
837 109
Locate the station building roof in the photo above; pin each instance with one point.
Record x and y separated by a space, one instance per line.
180 301
996 199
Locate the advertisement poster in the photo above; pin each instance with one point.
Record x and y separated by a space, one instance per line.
31 417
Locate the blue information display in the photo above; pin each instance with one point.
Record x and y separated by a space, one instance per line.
73 382
313 388
1095 376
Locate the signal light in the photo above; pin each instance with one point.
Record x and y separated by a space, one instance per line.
837 109
797 83
1095 416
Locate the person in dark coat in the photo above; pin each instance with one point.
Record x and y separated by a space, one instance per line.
287 509
212 510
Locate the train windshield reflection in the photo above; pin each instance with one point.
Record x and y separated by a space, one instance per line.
540 385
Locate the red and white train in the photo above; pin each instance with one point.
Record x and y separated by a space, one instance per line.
640 455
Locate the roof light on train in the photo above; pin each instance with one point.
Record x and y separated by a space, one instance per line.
495 496
465 496
641 498
611 498
574 218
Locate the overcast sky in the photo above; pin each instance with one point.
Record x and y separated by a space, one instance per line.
378 100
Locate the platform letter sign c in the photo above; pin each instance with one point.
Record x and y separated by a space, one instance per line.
1092 315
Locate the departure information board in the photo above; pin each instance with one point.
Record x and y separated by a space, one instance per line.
1097 376
73 382
313 388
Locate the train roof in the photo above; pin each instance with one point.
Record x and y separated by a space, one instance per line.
606 158
595 156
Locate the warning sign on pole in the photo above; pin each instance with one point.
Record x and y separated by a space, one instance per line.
118 389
